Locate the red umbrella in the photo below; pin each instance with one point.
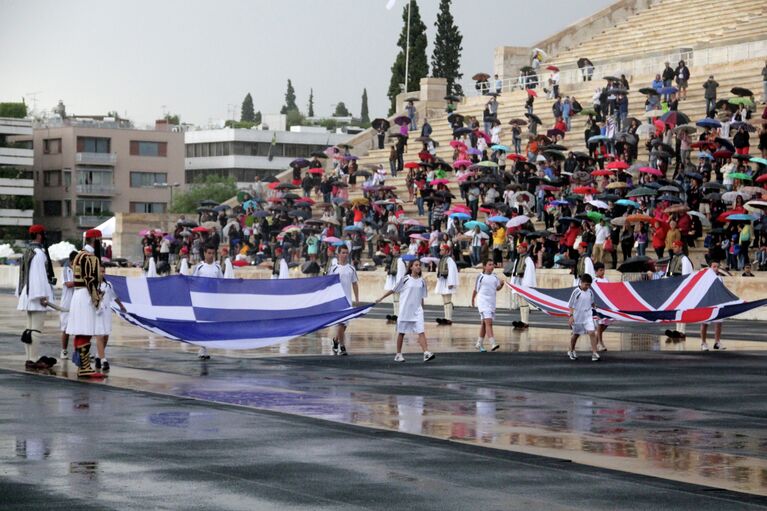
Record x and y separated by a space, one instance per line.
723 217
200 229
457 144
552 68
584 189
703 145
602 173
274 185
549 188
461 163
305 200
275 199
531 92
722 153
486 210
240 262
484 135
650 170
617 165
412 165
516 157
316 171
761 179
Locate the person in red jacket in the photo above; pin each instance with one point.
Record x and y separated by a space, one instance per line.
568 240
685 227
660 229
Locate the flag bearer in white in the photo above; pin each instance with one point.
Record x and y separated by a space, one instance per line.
485 289
210 268
412 292
581 320
348 276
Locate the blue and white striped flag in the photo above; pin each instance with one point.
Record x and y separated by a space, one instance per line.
233 313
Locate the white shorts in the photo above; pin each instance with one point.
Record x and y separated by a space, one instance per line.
487 314
410 327
584 328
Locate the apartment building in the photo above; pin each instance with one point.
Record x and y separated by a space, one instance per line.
16 184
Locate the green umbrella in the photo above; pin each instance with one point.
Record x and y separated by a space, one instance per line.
587 111
574 197
487 163
761 161
641 192
741 176
741 101
595 216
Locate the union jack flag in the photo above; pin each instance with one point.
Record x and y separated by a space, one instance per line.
699 297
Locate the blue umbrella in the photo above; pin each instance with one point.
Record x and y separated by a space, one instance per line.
460 216
705 155
560 202
708 123
352 228
498 219
626 202
475 151
409 257
500 147
248 204
667 90
474 223
598 138
261 213
740 217
338 244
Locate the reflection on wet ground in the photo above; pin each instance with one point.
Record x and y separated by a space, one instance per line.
458 398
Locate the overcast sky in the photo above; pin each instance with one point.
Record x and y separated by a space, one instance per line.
200 57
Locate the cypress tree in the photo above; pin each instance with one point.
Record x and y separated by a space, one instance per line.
418 66
310 113
247 113
364 112
290 99
446 58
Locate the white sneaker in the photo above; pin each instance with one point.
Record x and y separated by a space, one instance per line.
718 346
595 357
428 355
494 347
703 346
202 354
480 347
399 358
64 355
573 355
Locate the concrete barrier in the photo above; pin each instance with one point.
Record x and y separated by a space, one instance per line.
371 284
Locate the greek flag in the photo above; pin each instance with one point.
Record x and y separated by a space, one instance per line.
233 313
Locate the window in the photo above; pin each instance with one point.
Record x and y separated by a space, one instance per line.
93 145
52 178
67 178
142 148
147 207
52 146
144 179
95 207
51 208
67 208
93 177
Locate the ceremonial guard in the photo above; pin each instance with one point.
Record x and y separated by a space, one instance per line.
280 269
679 265
86 301
584 265
447 283
35 293
523 274
395 273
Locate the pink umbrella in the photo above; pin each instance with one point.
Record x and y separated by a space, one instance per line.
418 237
144 232
440 181
456 144
331 239
411 221
461 208
650 170
461 163
484 135
466 176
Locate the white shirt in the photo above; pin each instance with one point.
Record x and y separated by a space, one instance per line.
348 276
412 291
581 302
38 287
601 234
486 287
67 275
443 284
212 270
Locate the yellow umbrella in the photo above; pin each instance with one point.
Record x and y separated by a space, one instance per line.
617 184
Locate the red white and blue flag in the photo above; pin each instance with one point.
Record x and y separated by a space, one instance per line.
696 298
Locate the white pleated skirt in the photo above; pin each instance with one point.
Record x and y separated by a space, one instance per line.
82 314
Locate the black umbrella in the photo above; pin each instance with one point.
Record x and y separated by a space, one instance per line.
380 123
670 198
290 196
556 147
397 135
188 223
607 197
741 91
452 97
584 62
715 185
649 91
568 219
300 213
534 117
462 131
318 154
724 143
638 264
286 186
362 173
310 267
713 197
455 116
694 175
208 202
618 90
669 188
611 78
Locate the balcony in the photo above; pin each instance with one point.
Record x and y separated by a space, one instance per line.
89 221
95 189
16 156
96 158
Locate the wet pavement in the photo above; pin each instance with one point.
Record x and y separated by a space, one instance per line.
650 424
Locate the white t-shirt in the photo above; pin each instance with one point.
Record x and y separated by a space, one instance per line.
212 270
67 275
602 233
348 276
486 287
412 291
581 302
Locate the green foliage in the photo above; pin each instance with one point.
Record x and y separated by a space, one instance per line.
15 173
329 124
341 110
257 118
446 58
15 110
173 119
247 113
24 202
418 66
310 111
294 118
290 99
239 124
214 188
364 112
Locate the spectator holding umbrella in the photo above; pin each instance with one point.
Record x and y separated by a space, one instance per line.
682 77
710 87
741 140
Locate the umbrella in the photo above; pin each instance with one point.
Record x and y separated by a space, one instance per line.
380 123
318 154
594 215
401 119
723 154
737 125
684 128
639 217
413 99
675 118
517 221
615 185
694 175
363 173
460 216
474 223
598 204
200 229
637 264
703 220
587 111
708 123
565 219
739 217
552 67
316 171
208 202
554 132
627 203
300 163
286 186
499 219
531 92
452 97
462 131
617 165
740 91
669 198
648 91
585 189
455 117
500 147
740 175
640 192
535 118
441 181
669 188
713 197
618 222
732 196
601 172
677 208
742 101
480 77
352 228
650 170
597 138
487 163
607 197
760 161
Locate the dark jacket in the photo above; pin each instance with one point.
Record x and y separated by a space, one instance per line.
668 74
682 72
710 86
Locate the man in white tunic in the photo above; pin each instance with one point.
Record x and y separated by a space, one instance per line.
209 268
394 273
447 283
679 266
523 274
35 292
85 301
348 276
584 265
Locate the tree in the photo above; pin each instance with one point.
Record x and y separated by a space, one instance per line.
257 118
446 58
247 113
290 99
364 113
214 188
341 110
418 66
16 110
294 118
311 103
171 118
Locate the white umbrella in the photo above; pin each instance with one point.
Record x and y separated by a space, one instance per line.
152 271
598 204
517 221
755 206
705 222
184 268
60 251
6 251
481 234
732 196
518 196
228 269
